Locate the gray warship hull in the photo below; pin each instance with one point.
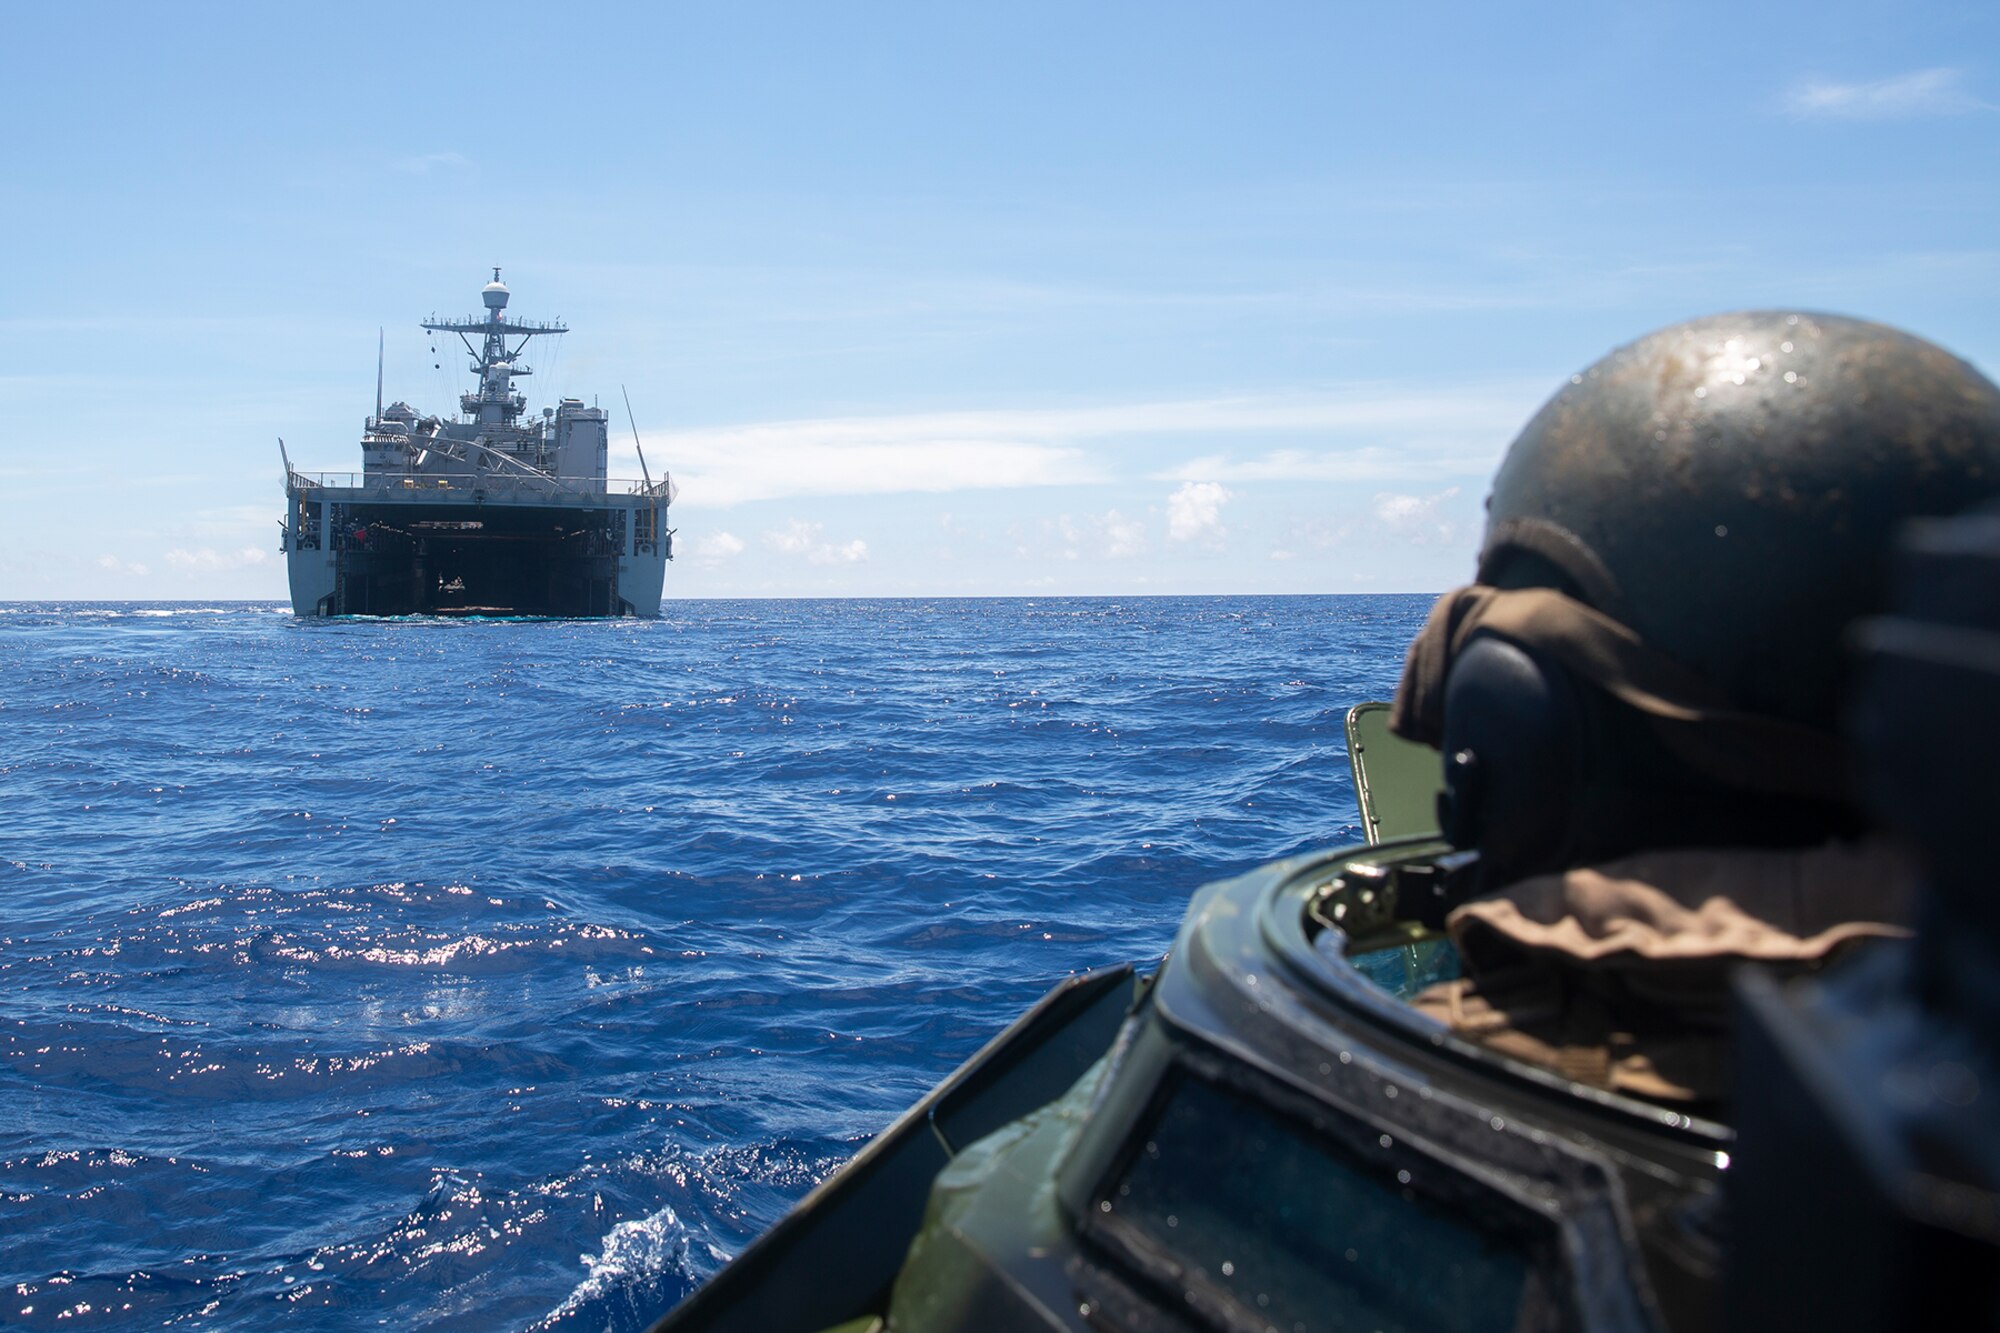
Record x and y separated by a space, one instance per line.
363 546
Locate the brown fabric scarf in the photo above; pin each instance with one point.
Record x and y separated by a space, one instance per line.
1617 975
1691 716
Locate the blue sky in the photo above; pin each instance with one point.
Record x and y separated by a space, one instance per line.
940 299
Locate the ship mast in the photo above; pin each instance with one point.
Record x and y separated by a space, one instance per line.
495 404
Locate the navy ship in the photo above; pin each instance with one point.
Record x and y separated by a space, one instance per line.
485 514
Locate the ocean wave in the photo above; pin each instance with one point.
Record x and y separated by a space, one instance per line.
514 974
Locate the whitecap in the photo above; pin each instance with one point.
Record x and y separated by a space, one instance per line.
636 1250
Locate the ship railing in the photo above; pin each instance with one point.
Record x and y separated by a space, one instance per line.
490 485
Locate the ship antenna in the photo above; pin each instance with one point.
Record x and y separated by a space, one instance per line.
633 422
378 373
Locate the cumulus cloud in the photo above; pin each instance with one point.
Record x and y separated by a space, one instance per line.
1123 537
1419 516
1923 92
1071 535
1194 512
1391 517
207 559
795 538
802 538
117 566
714 548
1110 535
852 553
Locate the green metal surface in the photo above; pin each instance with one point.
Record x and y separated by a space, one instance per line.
993 1206
1396 782
828 1264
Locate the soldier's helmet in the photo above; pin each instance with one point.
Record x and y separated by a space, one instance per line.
1652 653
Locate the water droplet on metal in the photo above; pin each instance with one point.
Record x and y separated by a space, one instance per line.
1954 1083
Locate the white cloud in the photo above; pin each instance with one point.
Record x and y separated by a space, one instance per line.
1419 517
117 566
853 553
714 548
1924 92
799 537
795 538
1194 512
867 456
1368 463
1072 536
1123 537
209 559
1407 433
1392 518
1110 535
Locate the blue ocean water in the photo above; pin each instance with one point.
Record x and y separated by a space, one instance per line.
514 974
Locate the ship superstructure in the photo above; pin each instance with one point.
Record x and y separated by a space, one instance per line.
487 514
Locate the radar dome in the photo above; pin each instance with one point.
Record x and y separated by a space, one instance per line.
494 294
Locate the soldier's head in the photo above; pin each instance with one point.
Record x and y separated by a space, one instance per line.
1652 653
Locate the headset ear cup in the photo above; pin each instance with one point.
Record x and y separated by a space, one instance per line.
1513 743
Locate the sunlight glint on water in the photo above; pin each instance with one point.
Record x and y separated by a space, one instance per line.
512 974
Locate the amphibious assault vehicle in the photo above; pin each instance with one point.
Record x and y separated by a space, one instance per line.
1263 1135
1712 734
